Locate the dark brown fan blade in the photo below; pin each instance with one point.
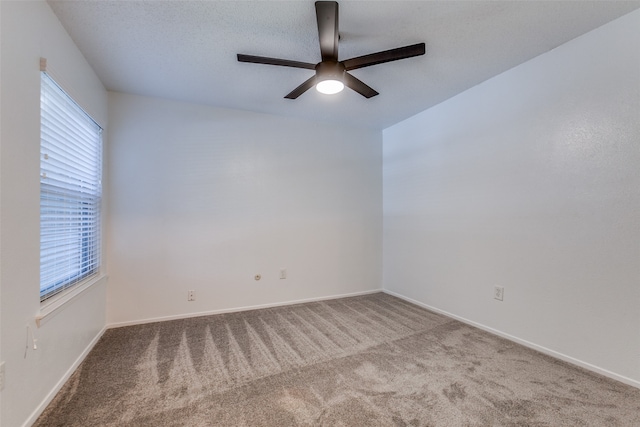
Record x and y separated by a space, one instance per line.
302 88
358 86
327 16
275 61
384 56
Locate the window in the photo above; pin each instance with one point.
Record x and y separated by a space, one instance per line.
70 191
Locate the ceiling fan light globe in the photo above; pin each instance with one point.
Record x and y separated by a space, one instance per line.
329 86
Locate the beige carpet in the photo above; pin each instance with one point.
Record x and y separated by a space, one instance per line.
373 360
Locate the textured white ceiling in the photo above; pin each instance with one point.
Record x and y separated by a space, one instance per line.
186 50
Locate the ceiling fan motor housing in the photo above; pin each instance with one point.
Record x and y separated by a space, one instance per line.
330 70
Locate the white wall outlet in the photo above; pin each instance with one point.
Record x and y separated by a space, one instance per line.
283 273
498 293
191 295
2 376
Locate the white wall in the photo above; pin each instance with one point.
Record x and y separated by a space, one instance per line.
531 181
205 198
30 30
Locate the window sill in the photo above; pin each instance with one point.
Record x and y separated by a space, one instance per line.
50 308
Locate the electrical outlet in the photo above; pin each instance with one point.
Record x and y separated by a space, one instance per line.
191 295
283 273
2 376
498 293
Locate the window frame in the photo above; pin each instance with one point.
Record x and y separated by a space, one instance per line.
71 194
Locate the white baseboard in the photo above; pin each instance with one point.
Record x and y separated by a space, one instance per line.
525 343
236 309
43 405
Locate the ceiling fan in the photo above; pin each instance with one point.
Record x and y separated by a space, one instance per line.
331 74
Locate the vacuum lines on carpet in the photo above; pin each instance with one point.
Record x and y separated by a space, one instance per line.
371 360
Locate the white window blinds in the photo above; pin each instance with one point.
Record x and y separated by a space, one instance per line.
70 191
